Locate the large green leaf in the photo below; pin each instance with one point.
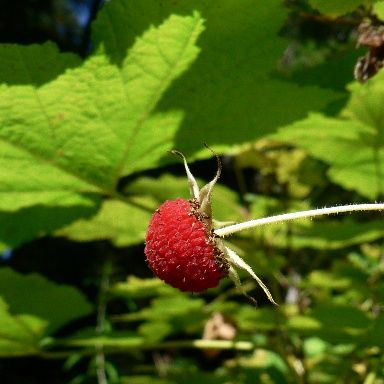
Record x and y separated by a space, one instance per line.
72 129
36 296
94 122
232 92
352 144
73 137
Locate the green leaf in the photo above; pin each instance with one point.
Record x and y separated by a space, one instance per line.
355 164
168 187
126 224
332 322
53 123
64 140
375 335
328 280
19 334
315 347
364 105
267 361
27 181
317 234
155 331
121 223
333 234
192 376
170 315
70 133
32 307
141 288
173 307
339 7
38 297
27 223
247 319
378 9
33 64
357 133
230 95
144 380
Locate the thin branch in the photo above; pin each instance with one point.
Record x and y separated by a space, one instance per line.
297 215
109 348
100 327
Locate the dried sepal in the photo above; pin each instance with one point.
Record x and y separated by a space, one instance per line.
201 202
236 261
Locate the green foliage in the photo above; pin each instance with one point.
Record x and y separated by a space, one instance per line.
84 164
32 307
378 9
340 7
20 334
356 134
46 147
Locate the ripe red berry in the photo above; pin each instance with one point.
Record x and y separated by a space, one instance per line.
181 249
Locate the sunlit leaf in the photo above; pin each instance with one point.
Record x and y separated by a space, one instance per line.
139 288
230 95
62 141
378 9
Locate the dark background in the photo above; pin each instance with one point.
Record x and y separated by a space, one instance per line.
67 22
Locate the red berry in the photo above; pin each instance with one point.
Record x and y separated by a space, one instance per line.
181 250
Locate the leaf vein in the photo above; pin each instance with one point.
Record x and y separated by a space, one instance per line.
153 100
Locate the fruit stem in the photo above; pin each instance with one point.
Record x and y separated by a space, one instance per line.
297 215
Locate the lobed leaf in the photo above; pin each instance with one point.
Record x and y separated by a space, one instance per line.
70 129
67 140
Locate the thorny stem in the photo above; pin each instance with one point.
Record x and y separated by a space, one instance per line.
297 215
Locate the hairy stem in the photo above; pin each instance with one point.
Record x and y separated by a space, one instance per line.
298 215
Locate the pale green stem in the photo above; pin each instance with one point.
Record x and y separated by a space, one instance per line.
100 327
297 215
117 347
